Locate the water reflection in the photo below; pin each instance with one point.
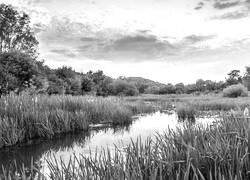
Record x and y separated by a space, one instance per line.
64 146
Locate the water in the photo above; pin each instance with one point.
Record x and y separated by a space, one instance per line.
64 146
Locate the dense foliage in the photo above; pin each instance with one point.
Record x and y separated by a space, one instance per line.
15 32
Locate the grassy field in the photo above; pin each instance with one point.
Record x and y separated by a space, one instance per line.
210 102
25 117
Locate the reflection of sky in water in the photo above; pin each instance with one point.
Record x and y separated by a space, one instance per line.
67 146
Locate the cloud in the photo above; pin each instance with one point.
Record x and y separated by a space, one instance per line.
63 52
222 4
78 40
225 4
199 6
88 39
233 15
228 9
198 38
132 47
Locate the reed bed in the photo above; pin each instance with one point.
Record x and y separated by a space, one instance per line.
219 151
25 117
214 152
186 112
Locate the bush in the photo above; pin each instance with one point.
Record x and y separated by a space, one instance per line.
17 70
123 88
234 91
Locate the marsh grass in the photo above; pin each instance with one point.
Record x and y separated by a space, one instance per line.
26 117
211 102
186 112
219 151
215 152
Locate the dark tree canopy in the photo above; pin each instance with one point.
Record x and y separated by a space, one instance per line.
16 71
234 77
15 31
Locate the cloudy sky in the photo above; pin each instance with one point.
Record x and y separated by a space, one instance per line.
163 40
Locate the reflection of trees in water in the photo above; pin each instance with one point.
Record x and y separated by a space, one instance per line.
118 129
13 158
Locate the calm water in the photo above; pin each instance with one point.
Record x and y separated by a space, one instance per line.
65 146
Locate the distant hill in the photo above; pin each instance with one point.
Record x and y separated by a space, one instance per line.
143 84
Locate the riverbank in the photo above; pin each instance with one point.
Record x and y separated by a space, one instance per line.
25 117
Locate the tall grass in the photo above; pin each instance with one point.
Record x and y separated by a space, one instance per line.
25 117
186 112
215 152
218 151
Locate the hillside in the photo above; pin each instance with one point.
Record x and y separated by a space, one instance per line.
143 84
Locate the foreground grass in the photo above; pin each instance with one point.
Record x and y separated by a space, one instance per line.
217 152
220 151
26 117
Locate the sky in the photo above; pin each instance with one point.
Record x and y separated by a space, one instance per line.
169 41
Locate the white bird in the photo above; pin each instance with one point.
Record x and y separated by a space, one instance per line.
246 112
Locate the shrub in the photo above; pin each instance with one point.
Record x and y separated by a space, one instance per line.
123 88
234 91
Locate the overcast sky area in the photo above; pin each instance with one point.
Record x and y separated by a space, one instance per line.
169 41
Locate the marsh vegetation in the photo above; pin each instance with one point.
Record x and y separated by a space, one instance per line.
39 104
25 117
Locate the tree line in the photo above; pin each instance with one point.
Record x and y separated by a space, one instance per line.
20 69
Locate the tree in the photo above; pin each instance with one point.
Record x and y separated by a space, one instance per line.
210 85
200 85
141 87
17 70
56 85
86 84
123 88
167 89
15 31
234 77
105 87
246 78
65 73
190 88
74 86
97 77
179 88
